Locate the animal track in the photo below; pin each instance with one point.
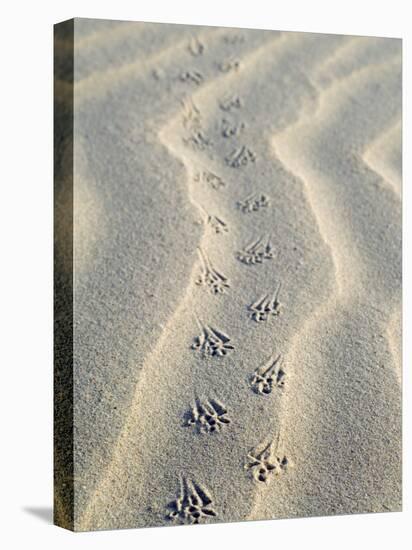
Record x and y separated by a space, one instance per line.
211 179
210 277
192 124
207 416
256 252
191 115
230 103
263 464
230 129
191 76
229 65
157 74
211 341
217 224
193 503
240 157
233 39
267 376
197 140
195 47
253 203
265 306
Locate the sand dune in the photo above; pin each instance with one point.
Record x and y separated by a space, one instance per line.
248 189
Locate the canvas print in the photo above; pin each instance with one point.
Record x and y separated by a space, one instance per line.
227 274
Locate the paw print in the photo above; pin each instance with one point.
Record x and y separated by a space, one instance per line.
230 103
268 376
192 505
231 129
210 277
240 157
265 464
207 416
265 306
191 76
210 178
195 47
212 341
256 252
253 203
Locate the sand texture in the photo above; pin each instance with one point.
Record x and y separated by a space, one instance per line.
236 274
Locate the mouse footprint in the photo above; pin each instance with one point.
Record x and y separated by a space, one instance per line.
268 376
211 341
209 276
265 306
192 505
207 416
265 463
256 252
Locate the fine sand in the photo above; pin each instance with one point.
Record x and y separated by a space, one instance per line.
247 182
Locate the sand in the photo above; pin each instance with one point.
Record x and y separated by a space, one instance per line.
237 255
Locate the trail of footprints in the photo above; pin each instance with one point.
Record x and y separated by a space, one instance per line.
193 503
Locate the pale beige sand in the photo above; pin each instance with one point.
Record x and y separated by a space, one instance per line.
319 117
